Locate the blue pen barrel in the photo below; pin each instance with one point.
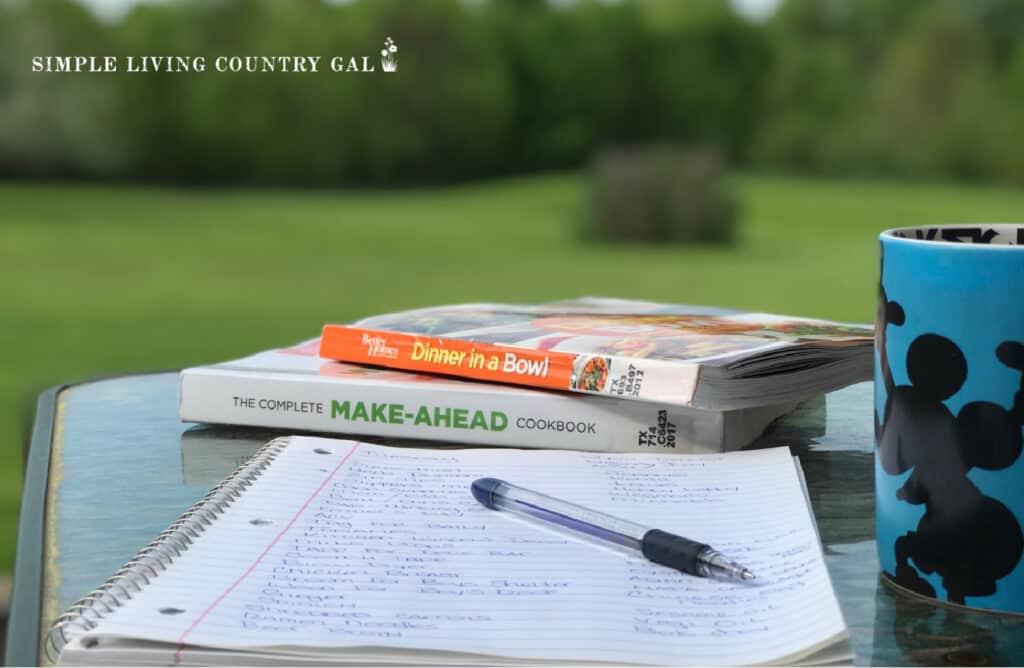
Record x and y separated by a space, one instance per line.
500 495
661 547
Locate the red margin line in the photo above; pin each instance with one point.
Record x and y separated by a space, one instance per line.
252 567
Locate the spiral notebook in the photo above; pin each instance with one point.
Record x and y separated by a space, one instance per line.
322 551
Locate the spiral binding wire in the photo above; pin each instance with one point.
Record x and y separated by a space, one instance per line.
157 556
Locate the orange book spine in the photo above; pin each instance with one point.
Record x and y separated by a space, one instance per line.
453 357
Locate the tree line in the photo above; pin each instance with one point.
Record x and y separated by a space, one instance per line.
915 88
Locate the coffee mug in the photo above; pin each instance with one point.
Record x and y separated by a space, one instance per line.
949 412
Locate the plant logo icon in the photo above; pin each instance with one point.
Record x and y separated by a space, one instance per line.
389 56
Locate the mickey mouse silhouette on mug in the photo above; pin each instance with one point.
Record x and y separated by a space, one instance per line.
950 431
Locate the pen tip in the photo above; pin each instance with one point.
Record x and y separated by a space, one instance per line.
748 575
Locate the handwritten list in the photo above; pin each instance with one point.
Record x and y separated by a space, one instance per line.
340 544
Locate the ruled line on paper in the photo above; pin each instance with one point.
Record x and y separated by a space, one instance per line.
252 567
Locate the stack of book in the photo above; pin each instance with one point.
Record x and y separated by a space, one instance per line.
588 374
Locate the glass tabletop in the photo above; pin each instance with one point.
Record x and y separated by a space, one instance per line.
123 467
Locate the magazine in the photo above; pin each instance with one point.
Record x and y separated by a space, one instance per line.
294 389
684 355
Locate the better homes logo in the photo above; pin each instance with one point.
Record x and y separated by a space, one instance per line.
389 56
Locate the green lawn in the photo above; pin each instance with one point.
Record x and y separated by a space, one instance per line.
103 279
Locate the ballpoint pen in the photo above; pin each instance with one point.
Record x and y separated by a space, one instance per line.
661 547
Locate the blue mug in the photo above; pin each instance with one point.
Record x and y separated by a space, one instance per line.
949 412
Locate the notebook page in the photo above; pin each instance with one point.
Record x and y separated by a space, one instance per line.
369 546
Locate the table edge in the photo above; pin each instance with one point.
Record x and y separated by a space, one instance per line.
22 641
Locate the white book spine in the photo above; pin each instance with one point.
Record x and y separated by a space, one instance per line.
479 415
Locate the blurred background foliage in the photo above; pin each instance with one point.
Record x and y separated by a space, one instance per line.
908 88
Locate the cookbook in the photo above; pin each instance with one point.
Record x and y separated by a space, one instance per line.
695 356
293 388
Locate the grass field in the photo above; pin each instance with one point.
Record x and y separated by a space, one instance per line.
104 279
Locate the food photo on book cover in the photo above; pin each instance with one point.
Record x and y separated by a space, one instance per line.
398 332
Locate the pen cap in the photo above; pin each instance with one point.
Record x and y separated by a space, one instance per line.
484 488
